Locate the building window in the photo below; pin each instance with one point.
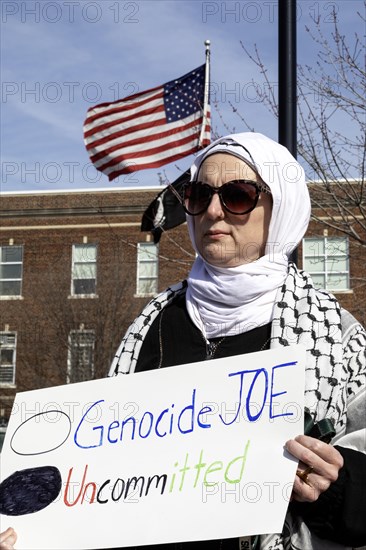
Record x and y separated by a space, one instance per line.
84 270
327 261
11 269
3 426
80 363
8 346
147 269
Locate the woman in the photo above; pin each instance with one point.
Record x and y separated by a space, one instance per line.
243 295
247 209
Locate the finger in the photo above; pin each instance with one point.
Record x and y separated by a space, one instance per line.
7 539
310 491
312 455
327 452
5 534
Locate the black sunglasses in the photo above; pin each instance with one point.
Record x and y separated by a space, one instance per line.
237 196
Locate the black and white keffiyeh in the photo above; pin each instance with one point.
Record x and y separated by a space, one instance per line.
335 382
127 354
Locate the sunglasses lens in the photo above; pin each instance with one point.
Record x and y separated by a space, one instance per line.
239 197
197 197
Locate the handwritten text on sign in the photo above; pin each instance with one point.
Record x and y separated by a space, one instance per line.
192 452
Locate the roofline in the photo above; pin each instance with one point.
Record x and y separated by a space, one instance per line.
81 190
332 182
128 189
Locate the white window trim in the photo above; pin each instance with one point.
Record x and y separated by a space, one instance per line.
77 296
13 296
73 295
138 278
325 273
69 365
11 384
2 436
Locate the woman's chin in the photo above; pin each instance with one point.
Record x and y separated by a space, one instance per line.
218 257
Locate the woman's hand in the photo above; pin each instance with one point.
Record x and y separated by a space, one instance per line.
324 462
7 539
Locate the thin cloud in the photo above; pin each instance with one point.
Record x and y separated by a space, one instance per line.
116 49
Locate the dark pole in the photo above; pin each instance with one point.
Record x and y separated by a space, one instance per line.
287 75
287 104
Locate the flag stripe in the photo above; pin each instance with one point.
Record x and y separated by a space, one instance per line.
154 133
132 153
155 145
133 167
142 150
122 145
143 161
147 134
151 122
103 107
147 114
137 110
122 107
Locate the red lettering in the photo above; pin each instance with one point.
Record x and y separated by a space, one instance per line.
70 486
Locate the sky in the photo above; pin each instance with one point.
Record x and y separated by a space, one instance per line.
59 58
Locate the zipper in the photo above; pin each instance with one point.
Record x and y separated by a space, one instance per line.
211 348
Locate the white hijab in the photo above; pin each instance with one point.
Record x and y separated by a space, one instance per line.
232 300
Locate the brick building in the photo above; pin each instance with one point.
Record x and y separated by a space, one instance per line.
333 250
76 270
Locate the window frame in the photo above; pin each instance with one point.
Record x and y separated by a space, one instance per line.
139 277
69 373
12 347
2 436
75 262
325 256
12 279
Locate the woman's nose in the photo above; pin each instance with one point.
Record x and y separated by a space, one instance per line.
215 209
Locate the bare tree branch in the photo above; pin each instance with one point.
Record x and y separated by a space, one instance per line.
331 125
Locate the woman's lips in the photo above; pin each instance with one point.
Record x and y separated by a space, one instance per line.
216 234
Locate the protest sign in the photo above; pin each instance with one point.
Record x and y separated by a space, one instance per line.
185 453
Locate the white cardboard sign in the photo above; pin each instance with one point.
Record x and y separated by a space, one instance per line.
185 453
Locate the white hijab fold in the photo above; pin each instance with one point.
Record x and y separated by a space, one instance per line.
227 301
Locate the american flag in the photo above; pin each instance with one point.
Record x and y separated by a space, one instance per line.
151 128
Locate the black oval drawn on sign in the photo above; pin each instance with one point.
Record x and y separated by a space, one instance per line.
13 447
28 491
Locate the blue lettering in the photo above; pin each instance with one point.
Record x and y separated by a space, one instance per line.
133 429
204 410
171 421
251 417
242 372
158 422
147 413
271 414
94 429
188 408
165 422
112 426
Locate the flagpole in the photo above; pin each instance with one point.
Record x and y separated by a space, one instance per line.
287 104
206 91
